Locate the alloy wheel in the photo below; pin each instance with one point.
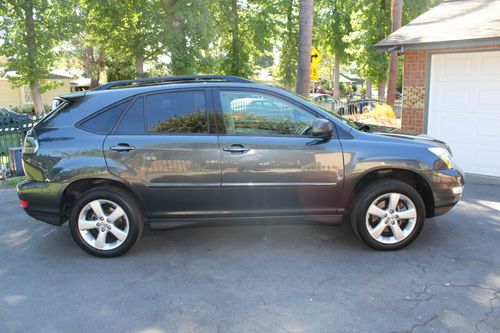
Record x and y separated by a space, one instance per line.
391 218
103 224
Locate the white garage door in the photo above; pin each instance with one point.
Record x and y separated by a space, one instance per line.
464 108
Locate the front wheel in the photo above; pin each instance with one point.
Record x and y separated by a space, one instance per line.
388 214
106 222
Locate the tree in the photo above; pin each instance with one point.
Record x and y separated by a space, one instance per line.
305 45
134 28
30 31
287 69
370 23
333 24
190 31
396 17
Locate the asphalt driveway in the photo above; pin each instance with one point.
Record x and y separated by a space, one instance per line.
257 278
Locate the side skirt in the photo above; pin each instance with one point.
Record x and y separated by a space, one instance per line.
249 220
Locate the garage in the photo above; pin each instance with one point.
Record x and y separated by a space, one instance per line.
464 108
451 79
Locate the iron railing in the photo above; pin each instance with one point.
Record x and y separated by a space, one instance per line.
12 133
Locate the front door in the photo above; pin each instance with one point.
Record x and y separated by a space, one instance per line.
163 146
271 164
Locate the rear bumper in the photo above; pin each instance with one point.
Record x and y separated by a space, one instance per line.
43 200
447 187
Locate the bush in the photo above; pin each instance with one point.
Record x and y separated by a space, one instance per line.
381 112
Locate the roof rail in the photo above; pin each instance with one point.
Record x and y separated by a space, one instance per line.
167 79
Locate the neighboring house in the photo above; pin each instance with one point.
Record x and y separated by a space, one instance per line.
21 96
451 79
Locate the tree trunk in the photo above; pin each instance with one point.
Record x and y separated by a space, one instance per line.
396 16
336 76
381 90
36 96
368 89
288 71
139 66
235 42
92 68
305 45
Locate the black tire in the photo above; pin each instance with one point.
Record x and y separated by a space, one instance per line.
368 195
126 202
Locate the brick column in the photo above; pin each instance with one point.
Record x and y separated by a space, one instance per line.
414 76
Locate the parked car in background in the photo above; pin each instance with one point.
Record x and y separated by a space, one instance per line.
172 151
328 102
9 117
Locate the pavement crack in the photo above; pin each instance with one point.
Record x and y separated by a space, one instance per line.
418 298
488 313
421 324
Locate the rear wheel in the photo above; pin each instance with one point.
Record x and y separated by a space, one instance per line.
106 222
388 214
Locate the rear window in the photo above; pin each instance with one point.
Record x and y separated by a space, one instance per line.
103 121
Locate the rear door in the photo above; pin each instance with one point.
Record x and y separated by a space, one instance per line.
271 164
166 147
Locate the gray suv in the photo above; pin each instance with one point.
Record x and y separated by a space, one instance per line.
173 151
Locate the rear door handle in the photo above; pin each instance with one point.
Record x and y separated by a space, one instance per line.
236 149
122 147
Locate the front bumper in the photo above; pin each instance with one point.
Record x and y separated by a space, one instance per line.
43 200
447 187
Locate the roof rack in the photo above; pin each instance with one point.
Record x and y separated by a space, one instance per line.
176 79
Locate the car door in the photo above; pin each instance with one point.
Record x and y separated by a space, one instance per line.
271 164
165 146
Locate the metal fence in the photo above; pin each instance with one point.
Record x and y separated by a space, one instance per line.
360 106
12 132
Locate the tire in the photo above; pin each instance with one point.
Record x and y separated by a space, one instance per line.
119 232
400 226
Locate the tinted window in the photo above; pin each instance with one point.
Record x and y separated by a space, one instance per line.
133 121
261 114
177 112
3 113
103 122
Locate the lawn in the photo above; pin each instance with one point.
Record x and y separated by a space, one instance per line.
11 182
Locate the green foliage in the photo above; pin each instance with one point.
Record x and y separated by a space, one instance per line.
370 22
190 32
289 30
332 23
31 49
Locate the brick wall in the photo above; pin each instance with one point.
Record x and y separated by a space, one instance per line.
414 84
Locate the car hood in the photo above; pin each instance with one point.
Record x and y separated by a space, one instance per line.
407 135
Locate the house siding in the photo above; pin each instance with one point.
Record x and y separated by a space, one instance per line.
415 83
13 97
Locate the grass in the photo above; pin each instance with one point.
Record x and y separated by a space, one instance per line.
11 182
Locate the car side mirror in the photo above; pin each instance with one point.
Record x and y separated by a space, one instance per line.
322 128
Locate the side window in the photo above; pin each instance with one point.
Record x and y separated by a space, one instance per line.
104 121
255 113
177 112
133 121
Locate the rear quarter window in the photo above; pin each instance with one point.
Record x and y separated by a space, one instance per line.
103 121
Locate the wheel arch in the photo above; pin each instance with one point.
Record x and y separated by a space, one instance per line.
410 177
76 188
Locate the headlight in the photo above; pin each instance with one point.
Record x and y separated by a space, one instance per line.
444 155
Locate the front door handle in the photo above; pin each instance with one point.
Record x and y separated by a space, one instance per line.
122 147
236 149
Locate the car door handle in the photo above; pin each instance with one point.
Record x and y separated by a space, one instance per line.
122 147
236 149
